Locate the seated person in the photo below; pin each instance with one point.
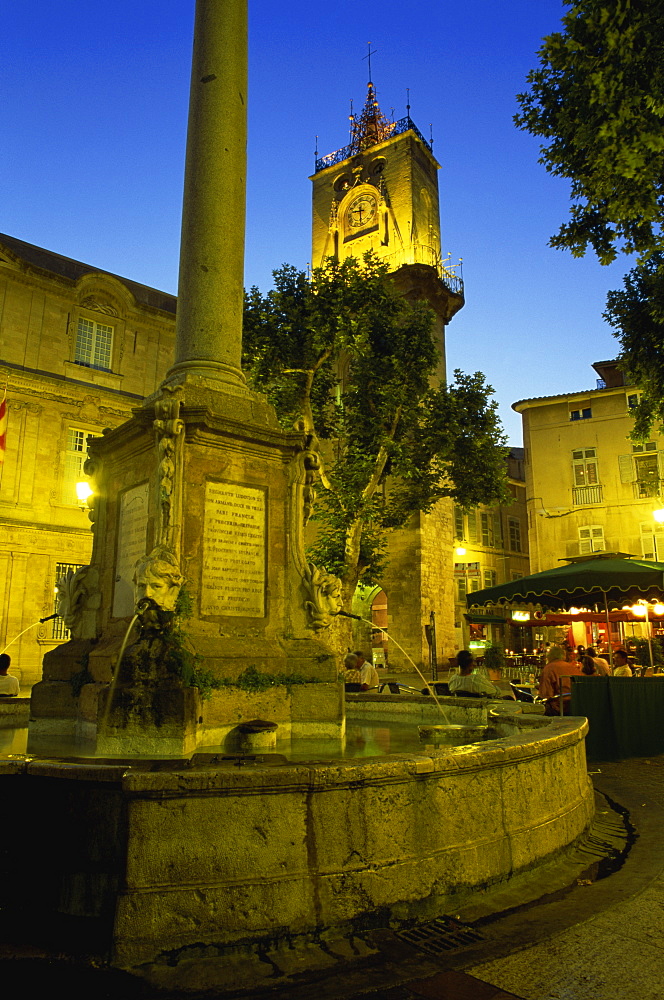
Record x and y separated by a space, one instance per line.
368 674
351 669
9 686
601 665
589 667
555 680
470 680
621 667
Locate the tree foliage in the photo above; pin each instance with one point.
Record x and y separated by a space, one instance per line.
349 360
598 101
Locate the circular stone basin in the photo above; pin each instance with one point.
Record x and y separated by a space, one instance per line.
456 735
257 734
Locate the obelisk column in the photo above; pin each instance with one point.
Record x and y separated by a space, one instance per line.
210 291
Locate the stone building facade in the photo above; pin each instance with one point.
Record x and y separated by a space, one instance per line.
589 487
79 349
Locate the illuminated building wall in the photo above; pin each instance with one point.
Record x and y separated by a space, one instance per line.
79 349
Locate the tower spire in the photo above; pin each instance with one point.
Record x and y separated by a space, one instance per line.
370 126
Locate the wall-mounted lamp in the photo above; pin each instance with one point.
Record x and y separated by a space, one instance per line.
459 551
83 493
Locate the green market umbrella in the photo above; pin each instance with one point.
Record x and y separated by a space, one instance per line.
602 580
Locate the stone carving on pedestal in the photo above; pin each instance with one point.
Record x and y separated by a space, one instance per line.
78 601
157 583
324 592
168 429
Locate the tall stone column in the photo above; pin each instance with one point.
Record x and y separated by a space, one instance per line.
210 292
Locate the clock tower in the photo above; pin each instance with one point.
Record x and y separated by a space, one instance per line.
380 193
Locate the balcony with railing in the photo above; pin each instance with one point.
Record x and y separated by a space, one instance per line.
388 131
583 495
650 487
418 253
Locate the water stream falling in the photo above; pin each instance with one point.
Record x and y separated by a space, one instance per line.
116 672
426 682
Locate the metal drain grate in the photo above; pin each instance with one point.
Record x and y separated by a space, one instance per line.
440 935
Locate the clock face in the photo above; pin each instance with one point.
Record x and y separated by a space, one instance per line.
362 211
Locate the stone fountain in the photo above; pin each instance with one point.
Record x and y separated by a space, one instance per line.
201 497
199 873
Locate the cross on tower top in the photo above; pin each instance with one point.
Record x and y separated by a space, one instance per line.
368 58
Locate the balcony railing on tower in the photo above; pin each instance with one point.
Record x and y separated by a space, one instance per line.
387 132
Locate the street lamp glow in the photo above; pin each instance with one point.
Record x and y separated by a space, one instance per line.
658 609
640 610
659 515
83 492
459 551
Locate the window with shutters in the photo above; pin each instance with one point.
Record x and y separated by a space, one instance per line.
472 526
585 477
458 524
490 578
462 588
652 540
514 527
584 467
646 470
486 520
591 539
474 585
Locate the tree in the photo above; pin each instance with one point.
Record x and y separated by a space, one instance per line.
345 357
598 101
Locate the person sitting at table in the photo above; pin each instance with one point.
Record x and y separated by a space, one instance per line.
589 667
555 680
602 667
469 680
621 667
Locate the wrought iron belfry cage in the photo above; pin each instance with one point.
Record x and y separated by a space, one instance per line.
371 139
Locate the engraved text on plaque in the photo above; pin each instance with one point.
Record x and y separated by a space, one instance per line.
233 574
132 526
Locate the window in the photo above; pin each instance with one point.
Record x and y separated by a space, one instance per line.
591 539
584 467
472 526
490 578
458 524
486 520
461 589
632 400
517 576
514 527
474 585
584 414
58 630
75 456
652 540
94 343
647 475
648 446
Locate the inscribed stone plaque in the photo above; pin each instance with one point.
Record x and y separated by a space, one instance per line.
132 529
233 574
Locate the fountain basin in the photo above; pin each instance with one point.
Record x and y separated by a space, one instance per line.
191 873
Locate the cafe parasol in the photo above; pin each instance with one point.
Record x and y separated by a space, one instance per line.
603 579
